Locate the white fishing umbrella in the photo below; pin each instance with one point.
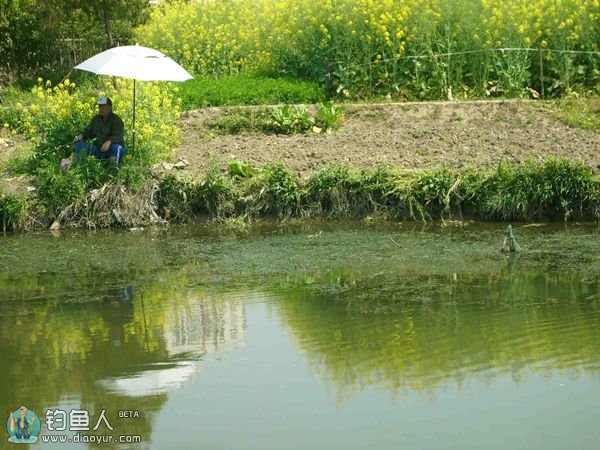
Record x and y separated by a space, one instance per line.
138 63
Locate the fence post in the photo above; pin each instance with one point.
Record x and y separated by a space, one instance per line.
542 71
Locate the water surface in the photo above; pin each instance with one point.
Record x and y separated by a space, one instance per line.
309 336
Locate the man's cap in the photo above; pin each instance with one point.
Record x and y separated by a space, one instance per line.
104 101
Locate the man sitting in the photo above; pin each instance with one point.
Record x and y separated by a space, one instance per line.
106 129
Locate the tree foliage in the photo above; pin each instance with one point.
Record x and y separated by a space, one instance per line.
26 27
42 36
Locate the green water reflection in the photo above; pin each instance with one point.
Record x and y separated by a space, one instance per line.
453 329
121 321
123 353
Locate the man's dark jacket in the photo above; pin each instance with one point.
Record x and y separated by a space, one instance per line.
102 130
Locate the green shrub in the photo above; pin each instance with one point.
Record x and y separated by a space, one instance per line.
240 169
328 191
329 116
285 119
214 195
405 199
434 188
274 191
573 186
550 190
57 189
328 178
288 119
533 190
13 212
175 194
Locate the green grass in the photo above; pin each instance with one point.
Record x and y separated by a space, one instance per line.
247 89
552 190
241 120
579 112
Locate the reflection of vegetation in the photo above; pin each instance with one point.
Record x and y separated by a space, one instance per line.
56 352
396 305
442 328
386 293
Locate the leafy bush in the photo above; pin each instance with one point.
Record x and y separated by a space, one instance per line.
240 169
214 195
57 189
329 116
174 197
533 190
13 212
328 178
276 190
329 191
285 119
288 119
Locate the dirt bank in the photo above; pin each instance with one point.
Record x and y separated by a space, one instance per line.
407 135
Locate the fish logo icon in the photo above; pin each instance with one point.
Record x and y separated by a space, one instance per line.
23 426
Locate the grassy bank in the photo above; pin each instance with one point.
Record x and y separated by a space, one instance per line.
552 190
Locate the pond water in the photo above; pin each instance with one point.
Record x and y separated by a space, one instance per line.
305 336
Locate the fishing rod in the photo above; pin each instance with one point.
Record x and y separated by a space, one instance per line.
54 149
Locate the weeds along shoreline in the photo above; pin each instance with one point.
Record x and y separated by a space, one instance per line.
544 191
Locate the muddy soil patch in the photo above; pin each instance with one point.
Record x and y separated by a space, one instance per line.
406 135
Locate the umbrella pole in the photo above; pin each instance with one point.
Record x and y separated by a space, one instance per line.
133 126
